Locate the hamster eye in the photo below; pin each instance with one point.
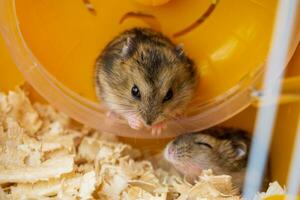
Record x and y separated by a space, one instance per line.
168 96
203 144
135 92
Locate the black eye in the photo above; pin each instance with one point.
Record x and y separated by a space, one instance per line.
203 144
135 92
168 96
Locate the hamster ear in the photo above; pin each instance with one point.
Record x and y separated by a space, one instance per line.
127 48
241 150
179 50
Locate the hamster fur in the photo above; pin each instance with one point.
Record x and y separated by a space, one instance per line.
224 150
145 78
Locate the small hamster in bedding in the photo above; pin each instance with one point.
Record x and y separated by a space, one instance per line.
224 150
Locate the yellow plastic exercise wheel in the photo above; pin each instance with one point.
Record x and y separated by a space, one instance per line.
55 44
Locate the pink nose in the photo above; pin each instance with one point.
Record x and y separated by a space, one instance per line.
171 149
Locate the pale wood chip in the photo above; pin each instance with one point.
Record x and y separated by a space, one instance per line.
51 168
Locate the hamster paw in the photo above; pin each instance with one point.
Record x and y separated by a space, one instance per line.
158 128
134 122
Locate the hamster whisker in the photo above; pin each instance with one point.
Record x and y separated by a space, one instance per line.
124 97
126 110
124 107
178 130
180 127
114 102
193 125
170 116
118 104
178 124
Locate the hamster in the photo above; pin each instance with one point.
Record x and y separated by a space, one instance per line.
224 150
145 78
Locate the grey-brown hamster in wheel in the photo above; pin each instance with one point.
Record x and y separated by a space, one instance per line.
145 78
224 150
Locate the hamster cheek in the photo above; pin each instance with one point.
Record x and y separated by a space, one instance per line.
189 169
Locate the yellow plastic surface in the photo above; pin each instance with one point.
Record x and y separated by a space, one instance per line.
153 2
57 42
286 126
66 38
279 197
10 76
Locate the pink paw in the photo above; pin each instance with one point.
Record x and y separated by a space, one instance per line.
158 128
134 122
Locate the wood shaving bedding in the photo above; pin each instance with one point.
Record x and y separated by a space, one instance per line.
44 156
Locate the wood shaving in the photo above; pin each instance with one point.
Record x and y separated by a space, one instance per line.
274 189
44 156
51 168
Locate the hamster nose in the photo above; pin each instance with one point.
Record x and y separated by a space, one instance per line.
171 149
